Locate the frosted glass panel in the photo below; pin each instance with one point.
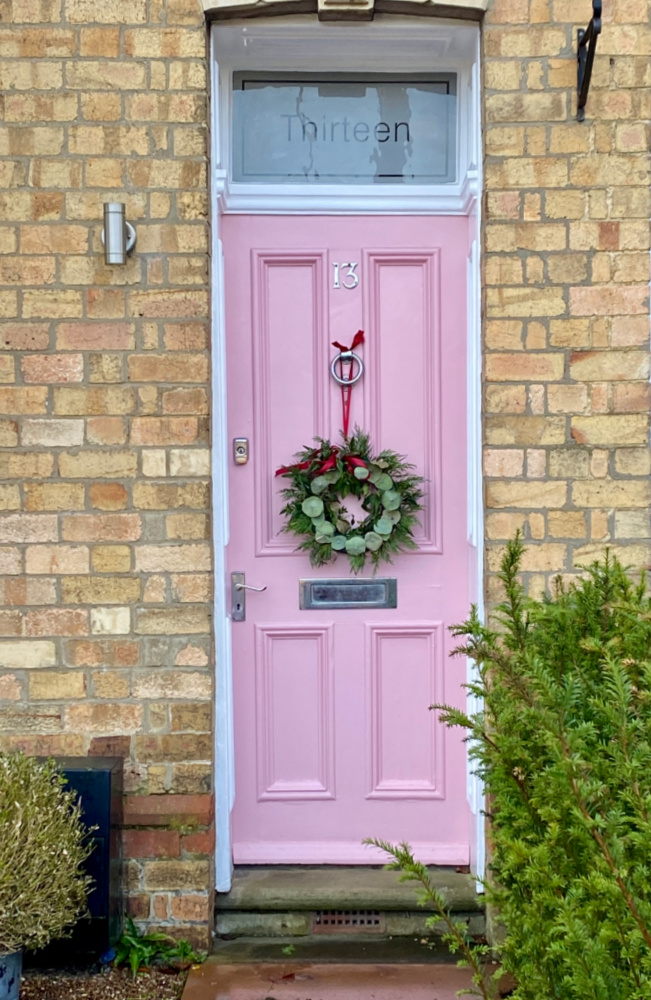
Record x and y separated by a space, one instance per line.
335 131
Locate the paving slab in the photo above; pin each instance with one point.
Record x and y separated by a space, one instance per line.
320 949
296 981
338 888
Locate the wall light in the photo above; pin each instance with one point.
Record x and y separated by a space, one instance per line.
118 235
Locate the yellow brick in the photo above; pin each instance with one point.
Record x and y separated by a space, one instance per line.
54 496
100 590
27 654
611 493
525 301
111 684
566 524
633 461
57 685
186 526
52 304
111 558
629 429
609 366
90 464
524 367
525 430
534 495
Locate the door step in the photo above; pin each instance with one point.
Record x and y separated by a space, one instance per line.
326 909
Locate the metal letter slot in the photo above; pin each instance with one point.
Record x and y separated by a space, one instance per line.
238 596
326 595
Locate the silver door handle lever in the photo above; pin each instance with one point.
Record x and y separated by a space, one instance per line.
238 596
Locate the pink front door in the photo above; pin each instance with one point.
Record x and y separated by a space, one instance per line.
334 741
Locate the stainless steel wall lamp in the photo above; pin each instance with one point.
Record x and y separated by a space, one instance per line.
118 235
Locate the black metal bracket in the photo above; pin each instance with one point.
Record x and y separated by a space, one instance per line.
585 57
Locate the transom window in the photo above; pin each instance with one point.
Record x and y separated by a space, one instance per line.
344 128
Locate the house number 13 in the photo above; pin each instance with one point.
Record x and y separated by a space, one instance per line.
350 277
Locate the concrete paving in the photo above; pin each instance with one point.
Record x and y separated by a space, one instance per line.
303 981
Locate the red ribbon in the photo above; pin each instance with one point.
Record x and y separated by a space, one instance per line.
346 390
326 465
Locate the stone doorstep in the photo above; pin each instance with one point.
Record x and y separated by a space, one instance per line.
298 924
305 981
290 889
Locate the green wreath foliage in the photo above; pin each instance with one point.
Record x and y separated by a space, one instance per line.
321 480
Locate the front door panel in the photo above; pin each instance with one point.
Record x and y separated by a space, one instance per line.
334 741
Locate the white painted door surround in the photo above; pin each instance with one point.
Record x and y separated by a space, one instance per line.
302 44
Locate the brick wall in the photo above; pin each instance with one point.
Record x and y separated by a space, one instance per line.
566 274
104 376
104 373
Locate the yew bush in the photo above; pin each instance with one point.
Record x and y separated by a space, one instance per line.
563 743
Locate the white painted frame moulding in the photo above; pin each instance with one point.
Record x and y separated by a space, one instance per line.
300 43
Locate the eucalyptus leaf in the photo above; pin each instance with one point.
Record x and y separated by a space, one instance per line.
373 541
385 482
384 526
391 500
361 473
338 543
393 515
323 539
355 545
382 463
323 527
342 526
319 484
312 506
332 476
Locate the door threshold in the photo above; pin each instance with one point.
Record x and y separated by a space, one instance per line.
332 887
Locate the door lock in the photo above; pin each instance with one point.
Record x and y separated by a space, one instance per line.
240 451
238 596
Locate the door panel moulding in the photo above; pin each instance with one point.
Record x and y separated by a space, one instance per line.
390 44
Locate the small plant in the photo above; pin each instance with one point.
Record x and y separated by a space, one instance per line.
564 746
473 954
43 844
141 950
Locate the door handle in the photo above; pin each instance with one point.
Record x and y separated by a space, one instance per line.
238 596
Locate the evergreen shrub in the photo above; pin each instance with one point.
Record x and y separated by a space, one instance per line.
563 743
43 843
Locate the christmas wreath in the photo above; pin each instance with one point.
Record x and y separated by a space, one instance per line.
324 477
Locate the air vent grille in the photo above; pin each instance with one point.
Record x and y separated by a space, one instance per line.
348 922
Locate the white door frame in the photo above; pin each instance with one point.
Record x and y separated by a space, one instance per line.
396 44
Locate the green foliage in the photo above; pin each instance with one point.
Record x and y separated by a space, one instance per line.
564 745
473 954
324 477
42 845
141 950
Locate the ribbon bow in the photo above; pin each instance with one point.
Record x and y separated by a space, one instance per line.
358 339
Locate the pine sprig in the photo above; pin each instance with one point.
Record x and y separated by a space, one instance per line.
474 955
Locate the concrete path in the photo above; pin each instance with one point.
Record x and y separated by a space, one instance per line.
299 981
